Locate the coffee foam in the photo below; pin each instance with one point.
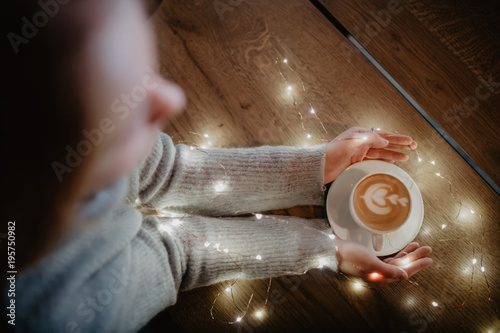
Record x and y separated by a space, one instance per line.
381 202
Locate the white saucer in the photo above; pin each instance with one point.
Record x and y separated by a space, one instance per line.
344 227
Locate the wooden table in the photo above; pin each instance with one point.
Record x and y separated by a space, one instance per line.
446 56
229 56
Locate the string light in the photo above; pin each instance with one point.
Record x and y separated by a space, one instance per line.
295 103
285 60
406 262
357 285
219 187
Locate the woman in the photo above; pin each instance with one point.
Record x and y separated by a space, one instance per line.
83 111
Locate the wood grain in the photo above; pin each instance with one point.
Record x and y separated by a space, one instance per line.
470 29
231 67
437 53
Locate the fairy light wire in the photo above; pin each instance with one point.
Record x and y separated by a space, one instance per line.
453 193
312 111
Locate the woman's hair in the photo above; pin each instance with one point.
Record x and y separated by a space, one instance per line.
42 111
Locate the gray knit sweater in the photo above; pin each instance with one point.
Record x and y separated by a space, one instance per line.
117 267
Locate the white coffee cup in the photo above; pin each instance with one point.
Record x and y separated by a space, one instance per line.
377 235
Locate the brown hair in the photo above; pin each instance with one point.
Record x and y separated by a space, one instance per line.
43 111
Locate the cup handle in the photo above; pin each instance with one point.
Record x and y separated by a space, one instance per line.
378 242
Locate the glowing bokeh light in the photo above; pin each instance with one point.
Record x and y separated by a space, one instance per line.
358 285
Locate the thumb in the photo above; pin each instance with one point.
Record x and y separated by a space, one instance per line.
388 271
376 141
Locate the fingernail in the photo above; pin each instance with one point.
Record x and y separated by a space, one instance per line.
384 141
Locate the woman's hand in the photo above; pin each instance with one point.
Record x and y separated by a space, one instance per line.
358 144
357 260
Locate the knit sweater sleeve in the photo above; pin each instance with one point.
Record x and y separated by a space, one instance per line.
125 268
228 181
210 250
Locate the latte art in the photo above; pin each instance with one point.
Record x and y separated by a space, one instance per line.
377 199
381 202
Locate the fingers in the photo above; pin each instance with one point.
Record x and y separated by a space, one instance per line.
382 272
381 139
386 154
417 266
378 159
405 260
414 261
408 249
357 260
398 141
412 146
368 138
394 138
